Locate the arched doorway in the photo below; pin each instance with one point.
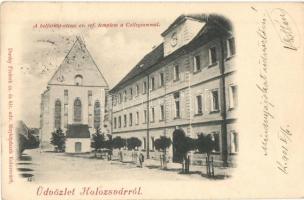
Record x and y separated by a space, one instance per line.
178 140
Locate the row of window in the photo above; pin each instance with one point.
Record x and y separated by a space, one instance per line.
122 97
77 111
214 106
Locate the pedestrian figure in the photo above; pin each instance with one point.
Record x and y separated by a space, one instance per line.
141 159
120 155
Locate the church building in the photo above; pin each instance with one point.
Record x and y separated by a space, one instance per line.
74 100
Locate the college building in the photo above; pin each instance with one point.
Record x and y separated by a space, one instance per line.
74 101
187 82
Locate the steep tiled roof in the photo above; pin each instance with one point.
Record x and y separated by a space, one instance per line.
78 61
215 27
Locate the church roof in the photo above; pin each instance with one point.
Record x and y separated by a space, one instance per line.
78 61
78 131
216 26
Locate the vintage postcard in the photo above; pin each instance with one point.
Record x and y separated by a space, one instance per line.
152 100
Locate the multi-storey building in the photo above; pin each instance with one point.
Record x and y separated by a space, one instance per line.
187 82
74 100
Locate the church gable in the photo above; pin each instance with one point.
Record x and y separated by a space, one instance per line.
78 68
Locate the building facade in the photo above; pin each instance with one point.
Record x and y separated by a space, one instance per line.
75 95
187 82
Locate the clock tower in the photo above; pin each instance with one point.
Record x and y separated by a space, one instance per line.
182 31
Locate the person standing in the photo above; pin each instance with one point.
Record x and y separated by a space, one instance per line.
141 159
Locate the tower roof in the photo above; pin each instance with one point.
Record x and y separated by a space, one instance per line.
78 62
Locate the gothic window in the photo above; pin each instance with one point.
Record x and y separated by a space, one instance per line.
97 114
77 110
57 114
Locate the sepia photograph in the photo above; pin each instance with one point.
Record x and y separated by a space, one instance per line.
171 116
107 101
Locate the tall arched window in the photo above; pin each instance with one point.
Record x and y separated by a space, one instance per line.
77 110
78 79
57 114
97 114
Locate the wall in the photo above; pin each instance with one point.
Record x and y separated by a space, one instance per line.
85 145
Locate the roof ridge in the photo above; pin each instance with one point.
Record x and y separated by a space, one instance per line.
63 60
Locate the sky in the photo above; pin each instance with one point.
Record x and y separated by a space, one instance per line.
115 51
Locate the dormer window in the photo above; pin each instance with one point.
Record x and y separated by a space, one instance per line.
78 79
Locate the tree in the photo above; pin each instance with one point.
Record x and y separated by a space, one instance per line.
58 140
161 144
22 141
118 143
98 140
109 146
32 142
28 138
206 144
182 146
133 143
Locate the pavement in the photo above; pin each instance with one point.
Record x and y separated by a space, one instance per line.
56 167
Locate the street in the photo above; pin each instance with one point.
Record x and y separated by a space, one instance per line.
57 167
